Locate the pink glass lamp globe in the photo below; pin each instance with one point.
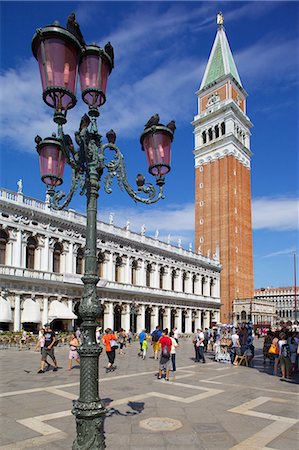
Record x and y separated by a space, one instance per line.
94 69
57 52
156 142
52 161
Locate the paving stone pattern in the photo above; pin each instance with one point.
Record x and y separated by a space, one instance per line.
213 406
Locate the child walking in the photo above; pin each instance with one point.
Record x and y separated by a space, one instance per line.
73 354
144 348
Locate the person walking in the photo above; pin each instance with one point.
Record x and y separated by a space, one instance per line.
174 345
175 334
109 341
121 339
165 360
23 340
198 342
141 338
48 349
130 336
144 348
235 349
73 354
155 335
78 335
206 339
284 356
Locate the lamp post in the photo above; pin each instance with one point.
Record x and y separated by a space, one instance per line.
61 57
133 313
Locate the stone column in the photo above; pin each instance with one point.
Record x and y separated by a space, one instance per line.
155 316
206 287
23 249
70 307
167 278
188 283
141 319
141 273
206 319
156 275
45 311
178 320
45 255
17 257
166 318
188 322
108 315
127 278
217 316
110 274
17 313
198 320
125 317
178 281
9 254
70 260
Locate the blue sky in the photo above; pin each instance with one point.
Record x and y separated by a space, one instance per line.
161 49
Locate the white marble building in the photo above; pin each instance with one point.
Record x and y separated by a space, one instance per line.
283 301
143 281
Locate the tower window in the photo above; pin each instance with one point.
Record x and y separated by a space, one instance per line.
201 185
204 137
217 131
201 221
201 203
201 169
222 128
201 240
210 131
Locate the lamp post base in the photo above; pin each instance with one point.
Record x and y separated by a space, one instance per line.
90 425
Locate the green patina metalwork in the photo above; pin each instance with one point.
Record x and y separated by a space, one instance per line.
216 62
216 69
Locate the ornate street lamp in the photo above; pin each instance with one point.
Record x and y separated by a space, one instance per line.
61 55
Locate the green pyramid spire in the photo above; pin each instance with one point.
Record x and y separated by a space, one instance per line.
221 61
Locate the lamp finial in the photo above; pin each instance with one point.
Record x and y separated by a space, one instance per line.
220 19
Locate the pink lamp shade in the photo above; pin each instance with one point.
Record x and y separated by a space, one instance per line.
94 69
156 142
57 52
52 161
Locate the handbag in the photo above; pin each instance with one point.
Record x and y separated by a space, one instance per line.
273 350
113 344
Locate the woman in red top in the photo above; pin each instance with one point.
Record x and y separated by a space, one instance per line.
165 360
110 351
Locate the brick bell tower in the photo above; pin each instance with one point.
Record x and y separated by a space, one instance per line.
222 173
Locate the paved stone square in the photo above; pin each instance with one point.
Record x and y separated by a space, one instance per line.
205 406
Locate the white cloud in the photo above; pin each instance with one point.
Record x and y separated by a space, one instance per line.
277 214
287 251
174 220
262 62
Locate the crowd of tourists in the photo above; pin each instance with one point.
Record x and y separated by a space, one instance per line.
225 343
281 348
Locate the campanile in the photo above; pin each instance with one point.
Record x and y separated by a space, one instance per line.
222 173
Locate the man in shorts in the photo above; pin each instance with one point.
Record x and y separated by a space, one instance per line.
165 359
48 349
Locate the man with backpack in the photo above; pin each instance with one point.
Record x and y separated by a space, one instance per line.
155 335
165 360
284 356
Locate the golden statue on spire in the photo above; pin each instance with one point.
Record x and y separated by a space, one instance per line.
220 19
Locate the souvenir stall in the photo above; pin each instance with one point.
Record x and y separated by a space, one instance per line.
223 344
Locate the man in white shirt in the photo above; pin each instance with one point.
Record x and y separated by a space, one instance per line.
236 347
199 346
